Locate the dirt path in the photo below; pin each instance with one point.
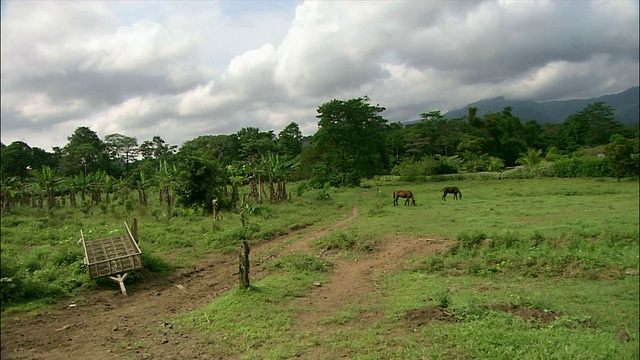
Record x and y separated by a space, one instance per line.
105 325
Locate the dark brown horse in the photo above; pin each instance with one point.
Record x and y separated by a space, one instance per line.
451 190
408 195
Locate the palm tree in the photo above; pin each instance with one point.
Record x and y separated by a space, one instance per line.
531 158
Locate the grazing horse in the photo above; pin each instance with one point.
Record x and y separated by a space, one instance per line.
408 195
451 190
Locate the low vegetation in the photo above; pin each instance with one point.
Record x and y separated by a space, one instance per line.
530 268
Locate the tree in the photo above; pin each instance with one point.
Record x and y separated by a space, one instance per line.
503 134
395 143
9 188
156 149
123 149
222 149
48 183
590 127
254 143
16 160
277 169
351 138
417 141
198 181
623 155
163 177
290 140
154 152
534 135
82 152
530 158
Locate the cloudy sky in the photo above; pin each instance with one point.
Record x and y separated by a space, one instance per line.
182 69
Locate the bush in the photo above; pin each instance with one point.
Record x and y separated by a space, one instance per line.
583 167
471 241
299 263
336 240
507 240
426 166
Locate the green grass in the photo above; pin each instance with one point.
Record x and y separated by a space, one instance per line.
258 322
560 245
505 336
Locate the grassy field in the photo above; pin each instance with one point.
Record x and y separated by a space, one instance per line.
565 247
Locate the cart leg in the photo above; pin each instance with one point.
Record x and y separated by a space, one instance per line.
120 280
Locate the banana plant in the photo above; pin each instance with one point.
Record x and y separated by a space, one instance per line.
47 181
108 187
164 177
8 192
96 185
81 182
143 185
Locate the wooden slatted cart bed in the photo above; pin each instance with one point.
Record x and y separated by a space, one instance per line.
113 257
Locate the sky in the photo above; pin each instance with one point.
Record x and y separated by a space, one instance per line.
184 69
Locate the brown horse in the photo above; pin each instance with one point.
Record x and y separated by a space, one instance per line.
408 195
451 190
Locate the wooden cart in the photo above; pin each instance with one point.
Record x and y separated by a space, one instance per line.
113 257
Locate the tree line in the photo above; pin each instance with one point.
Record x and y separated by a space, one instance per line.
353 141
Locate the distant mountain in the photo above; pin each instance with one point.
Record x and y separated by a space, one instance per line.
626 105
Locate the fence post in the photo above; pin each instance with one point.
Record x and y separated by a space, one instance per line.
134 230
244 265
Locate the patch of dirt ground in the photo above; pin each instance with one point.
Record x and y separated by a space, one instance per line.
103 324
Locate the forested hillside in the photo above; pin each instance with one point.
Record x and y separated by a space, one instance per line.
626 105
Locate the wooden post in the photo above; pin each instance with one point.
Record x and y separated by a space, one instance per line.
215 210
134 230
120 280
244 265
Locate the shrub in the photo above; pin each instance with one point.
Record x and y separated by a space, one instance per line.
471 241
442 298
336 240
299 263
583 167
432 263
507 240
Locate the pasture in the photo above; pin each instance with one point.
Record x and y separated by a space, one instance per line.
527 269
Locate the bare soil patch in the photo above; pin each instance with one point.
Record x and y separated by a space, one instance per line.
429 314
103 324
